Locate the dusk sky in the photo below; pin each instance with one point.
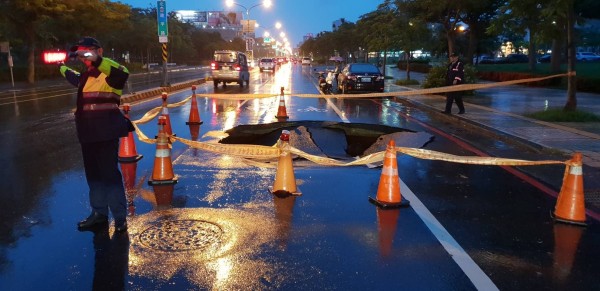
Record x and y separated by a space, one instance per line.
298 17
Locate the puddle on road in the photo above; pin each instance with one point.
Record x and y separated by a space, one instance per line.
332 139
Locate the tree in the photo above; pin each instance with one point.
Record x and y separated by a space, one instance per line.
478 15
35 20
449 14
378 29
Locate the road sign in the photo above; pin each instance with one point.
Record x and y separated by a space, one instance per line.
267 39
248 26
161 16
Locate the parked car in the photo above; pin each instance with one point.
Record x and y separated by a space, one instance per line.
267 64
517 58
587 56
306 61
545 58
230 66
360 77
487 60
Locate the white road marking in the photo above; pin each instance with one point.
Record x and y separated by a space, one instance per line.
458 254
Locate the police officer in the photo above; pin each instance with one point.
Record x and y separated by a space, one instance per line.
100 124
454 76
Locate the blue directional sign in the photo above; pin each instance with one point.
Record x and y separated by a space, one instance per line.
161 16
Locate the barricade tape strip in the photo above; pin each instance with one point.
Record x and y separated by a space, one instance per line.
273 152
239 150
445 89
264 152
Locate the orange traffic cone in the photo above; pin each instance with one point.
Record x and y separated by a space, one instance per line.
127 151
285 181
570 205
163 168
388 192
282 111
163 195
194 115
566 243
387 220
129 176
165 113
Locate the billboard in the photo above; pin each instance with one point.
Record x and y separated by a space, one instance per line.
221 18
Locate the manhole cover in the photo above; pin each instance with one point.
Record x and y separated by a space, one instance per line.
182 235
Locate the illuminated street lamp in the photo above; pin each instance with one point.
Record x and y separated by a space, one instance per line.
266 3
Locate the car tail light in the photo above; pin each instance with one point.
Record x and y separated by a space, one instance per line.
237 67
214 66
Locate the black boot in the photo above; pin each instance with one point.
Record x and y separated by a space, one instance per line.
95 219
120 225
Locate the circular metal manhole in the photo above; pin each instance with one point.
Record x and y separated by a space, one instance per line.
181 235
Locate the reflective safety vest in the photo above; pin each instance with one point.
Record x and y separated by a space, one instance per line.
98 117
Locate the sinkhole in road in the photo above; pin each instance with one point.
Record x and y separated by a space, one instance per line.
332 139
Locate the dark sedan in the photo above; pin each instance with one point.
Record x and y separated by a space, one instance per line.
360 77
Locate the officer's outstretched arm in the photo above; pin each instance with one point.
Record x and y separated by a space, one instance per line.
71 75
116 74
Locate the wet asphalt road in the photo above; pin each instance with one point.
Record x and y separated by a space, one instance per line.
468 227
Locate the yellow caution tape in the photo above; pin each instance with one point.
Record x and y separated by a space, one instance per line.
239 150
265 153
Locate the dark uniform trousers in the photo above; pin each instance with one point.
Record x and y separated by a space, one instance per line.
455 72
100 160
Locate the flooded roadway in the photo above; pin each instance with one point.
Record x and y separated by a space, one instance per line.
468 227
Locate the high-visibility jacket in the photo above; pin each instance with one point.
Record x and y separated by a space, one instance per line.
98 117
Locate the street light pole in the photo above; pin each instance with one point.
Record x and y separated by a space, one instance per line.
248 40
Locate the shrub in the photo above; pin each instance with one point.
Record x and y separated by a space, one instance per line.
437 77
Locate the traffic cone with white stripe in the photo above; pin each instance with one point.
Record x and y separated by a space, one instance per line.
165 113
194 118
285 181
282 111
127 151
162 172
388 192
570 205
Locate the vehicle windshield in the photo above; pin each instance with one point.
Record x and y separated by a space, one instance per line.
266 60
225 57
364 68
